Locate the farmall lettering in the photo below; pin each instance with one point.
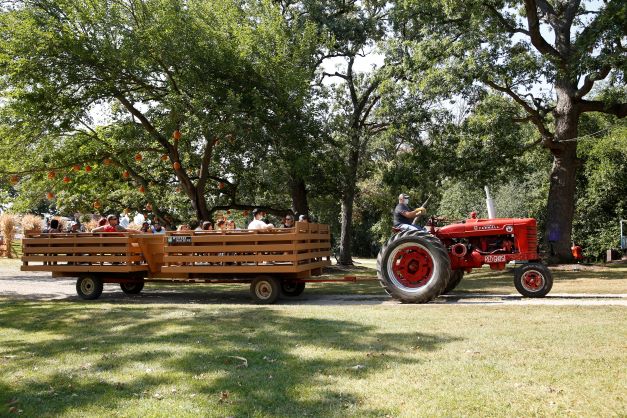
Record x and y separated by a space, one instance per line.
495 258
486 227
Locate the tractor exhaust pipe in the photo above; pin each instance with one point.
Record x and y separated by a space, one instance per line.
489 203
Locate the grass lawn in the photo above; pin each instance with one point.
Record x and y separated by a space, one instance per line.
113 358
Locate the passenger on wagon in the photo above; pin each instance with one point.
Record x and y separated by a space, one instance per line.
112 225
257 223
54 227
207 226
288 222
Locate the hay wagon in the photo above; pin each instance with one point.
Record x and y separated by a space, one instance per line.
274 262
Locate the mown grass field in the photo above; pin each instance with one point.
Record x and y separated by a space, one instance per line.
125 357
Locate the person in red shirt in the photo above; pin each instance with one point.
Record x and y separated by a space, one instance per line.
111 226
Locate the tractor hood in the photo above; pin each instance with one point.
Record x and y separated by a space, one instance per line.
474 227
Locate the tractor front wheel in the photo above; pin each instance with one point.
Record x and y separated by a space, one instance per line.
533 280
413 267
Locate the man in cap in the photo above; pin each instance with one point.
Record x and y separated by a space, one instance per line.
257 223
404 215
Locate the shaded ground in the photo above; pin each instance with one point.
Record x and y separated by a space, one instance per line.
574 285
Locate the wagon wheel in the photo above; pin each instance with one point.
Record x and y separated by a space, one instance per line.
89 287
292 288
265 290
132 288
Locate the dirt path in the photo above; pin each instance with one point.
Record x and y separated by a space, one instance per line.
39 286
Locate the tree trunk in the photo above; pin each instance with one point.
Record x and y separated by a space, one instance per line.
348 199
298 190
561 201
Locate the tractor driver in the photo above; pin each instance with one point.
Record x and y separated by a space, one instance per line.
404 215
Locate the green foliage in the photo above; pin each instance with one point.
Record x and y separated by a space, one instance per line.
603 200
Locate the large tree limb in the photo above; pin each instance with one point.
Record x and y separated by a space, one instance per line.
506 23
591 79
537 39
618 109
535 117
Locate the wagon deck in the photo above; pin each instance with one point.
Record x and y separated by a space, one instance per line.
284 258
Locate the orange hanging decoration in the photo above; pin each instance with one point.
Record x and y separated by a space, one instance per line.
221 185
51 175
142 189
178 190
176 165
126 174
245 213
88 168
50 195
66 179
138 157
14 179
164 157
176 135
228 212
97 204
76 167
107 161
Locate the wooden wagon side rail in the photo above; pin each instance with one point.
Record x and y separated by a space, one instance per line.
302 250
83 252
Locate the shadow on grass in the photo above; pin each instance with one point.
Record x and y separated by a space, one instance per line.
292 362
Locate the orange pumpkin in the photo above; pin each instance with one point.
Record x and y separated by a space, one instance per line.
164 157
97 204
51 175
176 135
142 189
88 168
50 195
176 165
138 157
76 167
66 179
126 174
107 161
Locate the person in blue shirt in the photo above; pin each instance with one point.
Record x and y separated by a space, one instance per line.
404 215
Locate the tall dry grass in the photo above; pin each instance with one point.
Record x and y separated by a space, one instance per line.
8 222
31 223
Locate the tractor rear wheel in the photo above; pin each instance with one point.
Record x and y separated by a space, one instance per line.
453 281
413 267
533 280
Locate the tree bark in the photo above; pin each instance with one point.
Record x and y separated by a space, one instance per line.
561 200
298 190
348 200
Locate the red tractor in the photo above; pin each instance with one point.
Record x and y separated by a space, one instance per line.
417 266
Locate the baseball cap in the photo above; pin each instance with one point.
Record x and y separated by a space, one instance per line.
258 210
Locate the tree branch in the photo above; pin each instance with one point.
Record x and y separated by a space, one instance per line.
536 117
591 79
534 30
507 24
618 109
